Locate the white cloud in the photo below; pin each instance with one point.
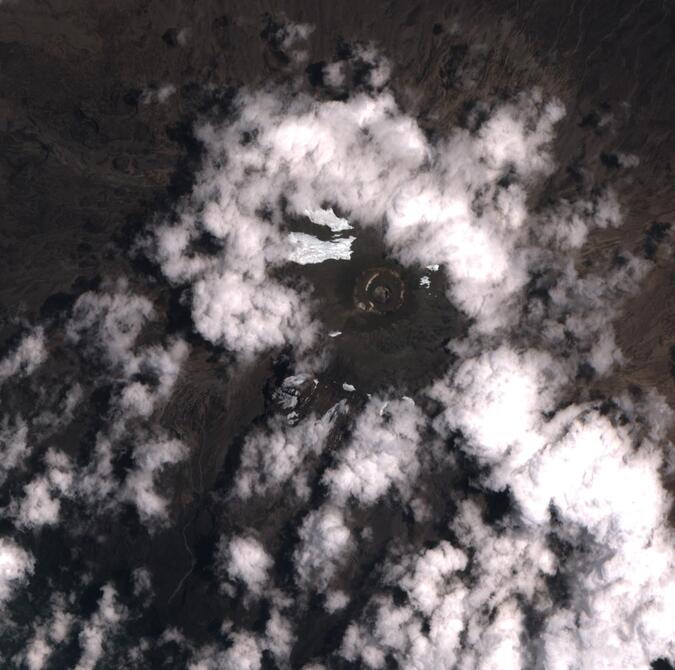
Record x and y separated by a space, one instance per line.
183 36
472 621
335 601
16 565
498 399
426 575
589 471
334 75
103 622
568 223
250 315
279 637
151 456
500 644
575 475
158 95
163 364
13 445
245 559
445 205
290 36
628 160
142 583
382 453
605 354
325 542
593 477
378 68
111 322
244 653
374 162
152 453
38 507
281 454
29 353
37 653
245 649
435 593
60 624
515 133
596 480
41 504
48 635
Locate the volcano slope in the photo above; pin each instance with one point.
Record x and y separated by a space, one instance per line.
336 336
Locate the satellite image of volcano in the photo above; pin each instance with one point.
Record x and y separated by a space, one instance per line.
337 335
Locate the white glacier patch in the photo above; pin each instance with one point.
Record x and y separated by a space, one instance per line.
327 217
306 249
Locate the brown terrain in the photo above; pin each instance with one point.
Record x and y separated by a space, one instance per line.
86 165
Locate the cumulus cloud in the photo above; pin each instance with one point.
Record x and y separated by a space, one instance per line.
108 323
41 502
142 582
160 94
13 444
498 400
381 454
245 650
16 565
52 419
150 458
37 653
103 622
38 507
592 482
48 635
286 154
279 637
244 653
278 456
28 354
161 365
325 542
576 572
244 559
461 204
152 454
595 479
287 39
335 601
249 314
435 593
461 607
